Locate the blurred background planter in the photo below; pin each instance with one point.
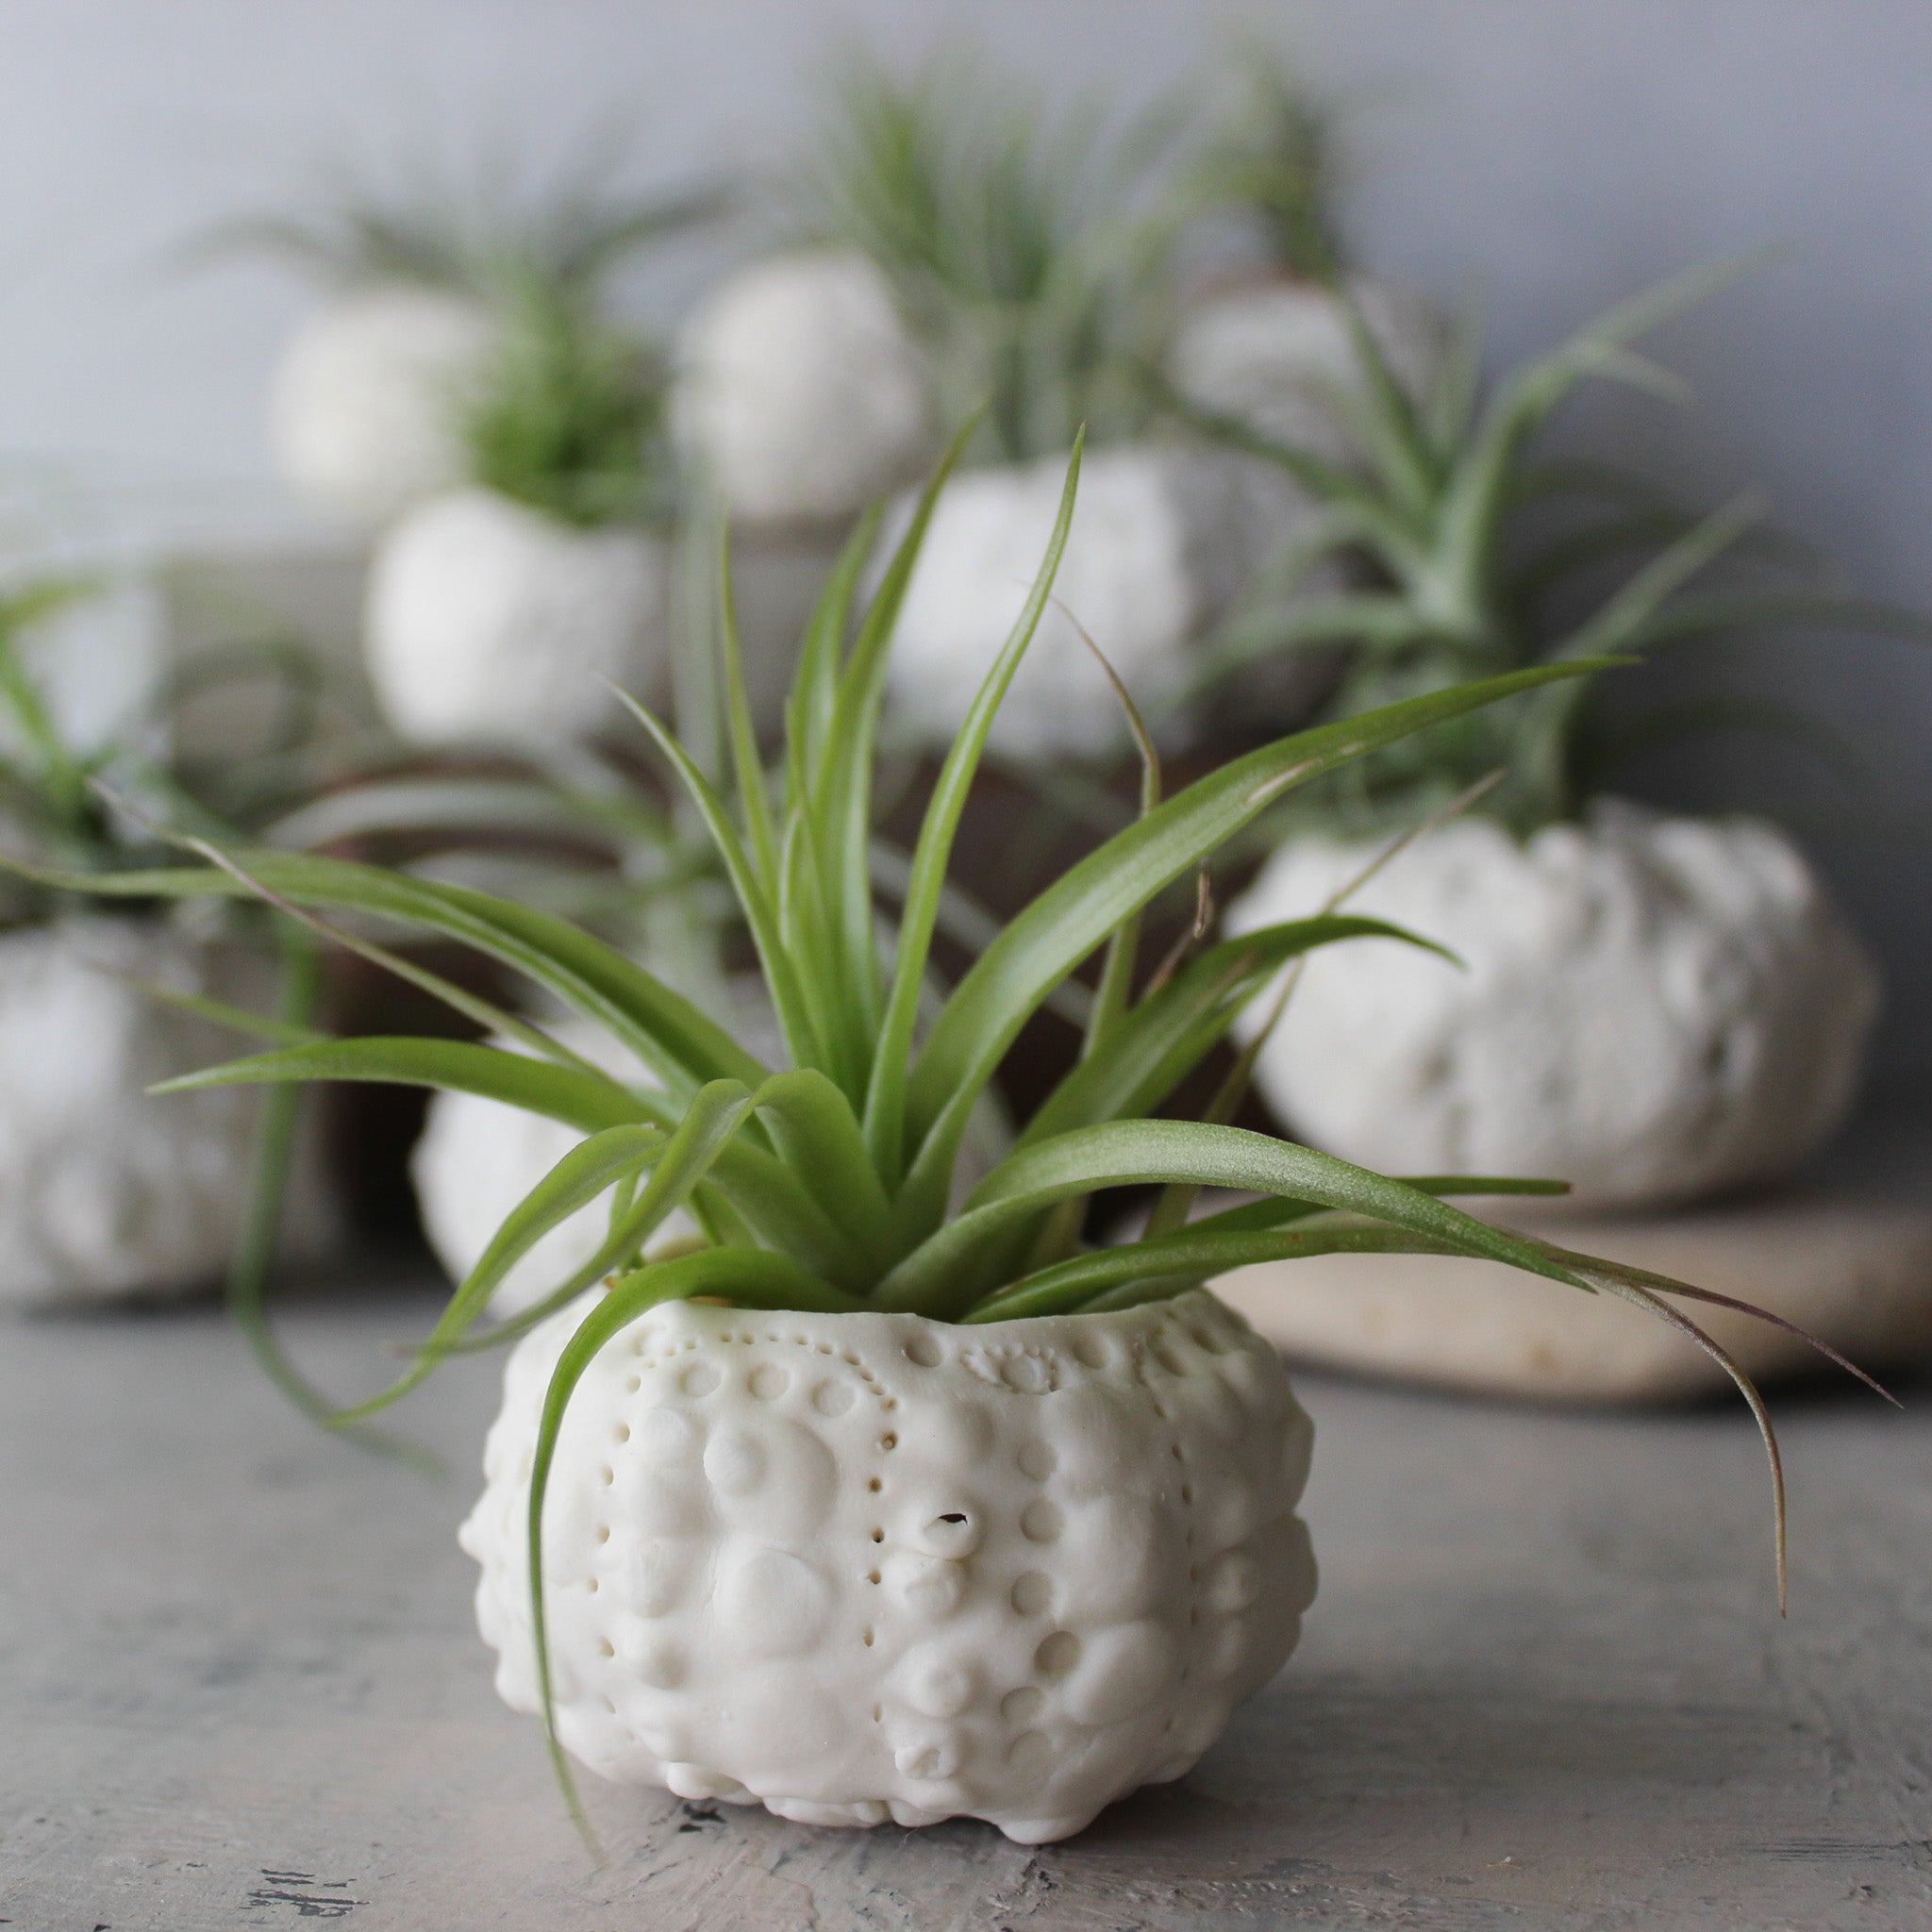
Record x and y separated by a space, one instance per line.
364 400
103 1192
1654 1010
801 393
490 623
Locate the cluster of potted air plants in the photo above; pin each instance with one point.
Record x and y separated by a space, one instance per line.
1656 1007
466 395
100 1196
852 1499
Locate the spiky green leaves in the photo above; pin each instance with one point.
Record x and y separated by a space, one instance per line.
1474 539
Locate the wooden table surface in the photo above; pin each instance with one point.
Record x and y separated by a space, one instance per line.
1544 1686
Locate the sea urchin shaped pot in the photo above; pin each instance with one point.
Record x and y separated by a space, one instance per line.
477 1158
1653 1009
869 1566
800 389
1274 355
1157 548
364 409
104 1192
492 623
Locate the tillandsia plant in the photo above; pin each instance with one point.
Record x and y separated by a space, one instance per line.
494 607
1452 509
1660 1008
425 268
1270 161
568 416
1028 253
413 218
860 1501
97 1198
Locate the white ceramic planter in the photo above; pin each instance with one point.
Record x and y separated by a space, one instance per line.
800 389
490 623
477 1158
1158 545
365 402
1272 353
1653 1009
105 1191
861 1567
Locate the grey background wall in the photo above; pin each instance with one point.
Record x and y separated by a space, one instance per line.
1550 156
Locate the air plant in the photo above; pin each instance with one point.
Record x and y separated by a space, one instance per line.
414 219
1452 513
57 798
167 1199
567 416
1578 1035
826 1186
493 607
1271 162
434 281
1028 253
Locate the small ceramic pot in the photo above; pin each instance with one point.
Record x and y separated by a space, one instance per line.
1158 547
869 1567
1653 1008
105 1191
1273 355
366 400
490 623
800 390
477 1158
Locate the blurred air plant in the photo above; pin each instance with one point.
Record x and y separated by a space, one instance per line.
470 228
1028 247
1488 555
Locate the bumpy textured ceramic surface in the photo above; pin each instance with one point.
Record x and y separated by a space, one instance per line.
363 409
1157 546
1271 356
800 389
861 1567
1653 1009
491 622
477 1158
105 1191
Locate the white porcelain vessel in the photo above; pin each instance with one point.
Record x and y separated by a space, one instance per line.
477 1158
1160 544
489 622
868 1567
1653 1008
366 401
105 1191
800 390
1274 354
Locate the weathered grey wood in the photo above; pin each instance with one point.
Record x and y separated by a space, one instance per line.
1545 1686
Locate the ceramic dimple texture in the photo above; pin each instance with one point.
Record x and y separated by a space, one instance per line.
1653 1008
861 1567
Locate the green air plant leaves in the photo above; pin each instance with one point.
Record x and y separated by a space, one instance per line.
1445 500
825 1185
1028 250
